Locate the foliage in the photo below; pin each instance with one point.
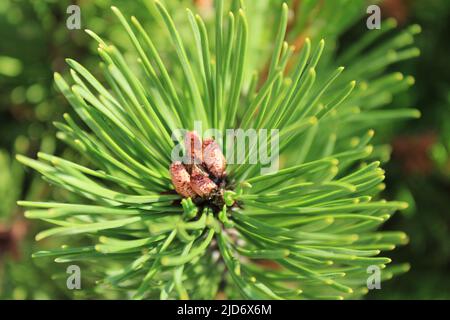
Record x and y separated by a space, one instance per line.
315 220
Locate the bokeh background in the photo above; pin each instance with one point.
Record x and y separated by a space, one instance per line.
35 42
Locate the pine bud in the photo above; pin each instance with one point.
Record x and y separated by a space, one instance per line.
213 158
201 183
181 180
204 163
193 145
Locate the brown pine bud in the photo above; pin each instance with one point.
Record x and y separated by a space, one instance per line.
214 158
201 183
181 180
193 145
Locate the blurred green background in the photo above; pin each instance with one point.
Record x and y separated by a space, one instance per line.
419 171
35 42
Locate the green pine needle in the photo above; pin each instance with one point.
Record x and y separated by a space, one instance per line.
308 231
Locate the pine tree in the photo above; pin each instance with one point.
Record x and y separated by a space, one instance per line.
307 231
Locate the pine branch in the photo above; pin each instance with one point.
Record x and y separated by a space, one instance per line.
315 219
